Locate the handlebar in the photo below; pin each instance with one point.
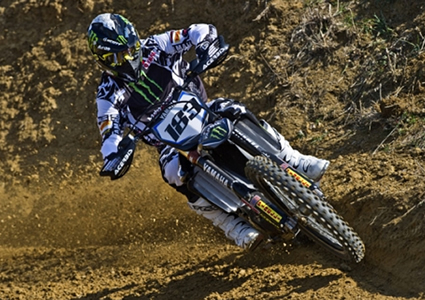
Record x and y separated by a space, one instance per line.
216 53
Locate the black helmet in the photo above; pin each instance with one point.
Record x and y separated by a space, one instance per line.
114 43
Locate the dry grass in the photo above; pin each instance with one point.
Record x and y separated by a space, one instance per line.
382 63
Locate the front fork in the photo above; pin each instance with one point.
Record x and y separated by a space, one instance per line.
254 149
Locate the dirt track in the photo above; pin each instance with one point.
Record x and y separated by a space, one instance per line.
66 233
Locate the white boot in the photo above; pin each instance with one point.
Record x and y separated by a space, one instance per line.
311 166
234 227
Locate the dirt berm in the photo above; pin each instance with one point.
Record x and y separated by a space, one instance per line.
343 80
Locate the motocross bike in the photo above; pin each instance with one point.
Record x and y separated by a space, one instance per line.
235 166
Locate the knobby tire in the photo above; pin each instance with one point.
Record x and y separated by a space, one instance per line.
316 217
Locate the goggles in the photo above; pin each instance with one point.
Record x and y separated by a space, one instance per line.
120 58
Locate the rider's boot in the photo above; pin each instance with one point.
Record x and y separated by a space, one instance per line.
233 226
311 166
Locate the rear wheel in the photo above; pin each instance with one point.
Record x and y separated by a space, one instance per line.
316 217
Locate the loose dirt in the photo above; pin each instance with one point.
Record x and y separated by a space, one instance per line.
342 80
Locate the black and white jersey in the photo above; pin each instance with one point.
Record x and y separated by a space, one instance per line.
163 69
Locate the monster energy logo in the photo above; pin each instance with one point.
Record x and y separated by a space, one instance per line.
218 132
125 20
92 38
122 39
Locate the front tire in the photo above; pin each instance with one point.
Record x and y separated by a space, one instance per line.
316 217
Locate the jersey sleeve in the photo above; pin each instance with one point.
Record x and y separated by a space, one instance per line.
108 116
182 40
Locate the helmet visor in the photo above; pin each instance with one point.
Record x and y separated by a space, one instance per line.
118 59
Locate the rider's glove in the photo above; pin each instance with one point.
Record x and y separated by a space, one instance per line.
228 108
116 164
110 162
110 145
232 112
202 49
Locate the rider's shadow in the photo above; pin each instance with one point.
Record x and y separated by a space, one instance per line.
236 275
220 276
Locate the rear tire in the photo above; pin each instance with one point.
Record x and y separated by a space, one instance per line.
316 217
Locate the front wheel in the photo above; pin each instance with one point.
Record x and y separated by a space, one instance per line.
316 217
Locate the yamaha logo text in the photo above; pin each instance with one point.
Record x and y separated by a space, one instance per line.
217 176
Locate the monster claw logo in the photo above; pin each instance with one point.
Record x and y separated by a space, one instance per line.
218 132
122 39
92 40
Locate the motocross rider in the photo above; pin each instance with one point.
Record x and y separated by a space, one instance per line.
138 74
